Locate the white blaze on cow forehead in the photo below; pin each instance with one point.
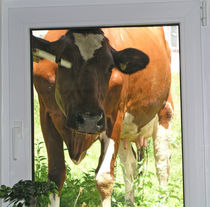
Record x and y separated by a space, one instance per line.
88 44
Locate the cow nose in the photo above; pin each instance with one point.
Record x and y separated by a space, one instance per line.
88 122
80 119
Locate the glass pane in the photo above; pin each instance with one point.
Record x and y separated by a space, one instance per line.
143 106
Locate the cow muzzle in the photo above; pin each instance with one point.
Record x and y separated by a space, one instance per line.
78 145
87 122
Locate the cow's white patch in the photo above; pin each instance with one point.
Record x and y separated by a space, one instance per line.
106 202
170 106
130 129
162 154
129 172
54 200
88 44
148 130
109 151
103 177
121 37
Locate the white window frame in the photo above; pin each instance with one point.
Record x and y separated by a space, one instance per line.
19 16
205 37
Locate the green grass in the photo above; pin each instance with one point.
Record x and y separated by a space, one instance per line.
79 188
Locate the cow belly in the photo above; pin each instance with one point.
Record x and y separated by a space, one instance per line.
131 132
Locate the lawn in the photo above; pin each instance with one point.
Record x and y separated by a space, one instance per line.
79 188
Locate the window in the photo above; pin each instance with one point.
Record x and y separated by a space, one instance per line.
170 140
20 18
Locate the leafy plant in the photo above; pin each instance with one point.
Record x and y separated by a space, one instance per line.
80 191
28 193
41 168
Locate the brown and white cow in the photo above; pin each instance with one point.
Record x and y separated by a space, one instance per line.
112 85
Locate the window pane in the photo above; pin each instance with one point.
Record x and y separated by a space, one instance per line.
153 128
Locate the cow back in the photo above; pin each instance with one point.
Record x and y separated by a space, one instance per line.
146 90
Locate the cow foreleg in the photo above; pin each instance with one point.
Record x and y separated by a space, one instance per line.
162 154
56 164
105 170
127 158
54 200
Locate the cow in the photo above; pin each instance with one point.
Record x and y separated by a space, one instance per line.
110 84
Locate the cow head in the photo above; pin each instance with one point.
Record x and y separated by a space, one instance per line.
85 62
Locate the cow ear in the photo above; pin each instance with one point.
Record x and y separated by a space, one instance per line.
44 49
130 60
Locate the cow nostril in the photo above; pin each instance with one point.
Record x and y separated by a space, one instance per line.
80 119
100 122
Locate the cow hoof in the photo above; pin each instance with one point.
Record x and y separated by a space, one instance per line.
129 203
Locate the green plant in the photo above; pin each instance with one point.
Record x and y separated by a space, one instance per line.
80 191
41 168
28 193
